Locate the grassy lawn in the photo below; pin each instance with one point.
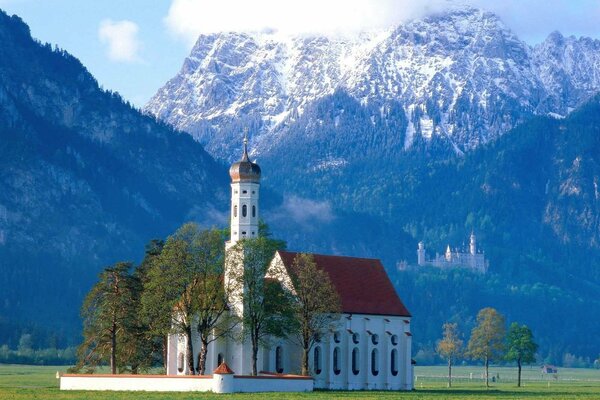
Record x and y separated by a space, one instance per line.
31 382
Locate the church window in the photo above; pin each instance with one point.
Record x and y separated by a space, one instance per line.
336 361
336 337
394 362
244 211
375 338
279 359
253 211
180 362
374 362
317 360
253 192
244 233
355 361
394 339
244 191
355 338
219 359
235 211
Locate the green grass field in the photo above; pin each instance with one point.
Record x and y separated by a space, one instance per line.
31 382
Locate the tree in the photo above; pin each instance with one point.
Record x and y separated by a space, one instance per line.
316 304
521 347
487 338
263 306
212 291
108 316
169 292
450 347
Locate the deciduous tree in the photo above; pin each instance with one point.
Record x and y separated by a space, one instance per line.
520 346
487 338
450 347
316 304
263 306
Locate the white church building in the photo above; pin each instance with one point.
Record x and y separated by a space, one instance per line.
369 347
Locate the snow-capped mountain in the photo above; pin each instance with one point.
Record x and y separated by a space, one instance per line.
461 76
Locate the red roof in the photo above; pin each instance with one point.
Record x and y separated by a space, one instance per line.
223 369
362 284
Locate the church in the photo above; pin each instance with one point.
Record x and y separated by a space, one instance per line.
368 347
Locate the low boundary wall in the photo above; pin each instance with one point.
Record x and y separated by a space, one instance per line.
218 383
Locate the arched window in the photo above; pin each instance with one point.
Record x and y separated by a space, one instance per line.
317 360
355 361
235 211
355 338
336 337
253 211
219 359
244 211
394 362
375 338
336 361
374 362
394 339
278 359
180 362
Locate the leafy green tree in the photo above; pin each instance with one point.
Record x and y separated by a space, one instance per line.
109 315
169 291
211 304
450 347
487 338
316 304
263 306
520 346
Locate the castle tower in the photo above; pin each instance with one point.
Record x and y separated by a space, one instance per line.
421 254
473 245
448 254
245 185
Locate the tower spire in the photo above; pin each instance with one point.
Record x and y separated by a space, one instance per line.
245 155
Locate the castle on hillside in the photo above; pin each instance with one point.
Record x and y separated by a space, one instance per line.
471 258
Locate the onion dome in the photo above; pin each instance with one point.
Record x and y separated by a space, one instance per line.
245 170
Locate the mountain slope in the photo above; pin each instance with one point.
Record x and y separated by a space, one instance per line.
460 76
86 180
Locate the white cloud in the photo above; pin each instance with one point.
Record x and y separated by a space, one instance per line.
532 19
189 18
121 37
307 213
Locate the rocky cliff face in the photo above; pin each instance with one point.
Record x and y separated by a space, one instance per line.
460 76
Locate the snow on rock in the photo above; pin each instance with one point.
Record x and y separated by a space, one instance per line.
461 75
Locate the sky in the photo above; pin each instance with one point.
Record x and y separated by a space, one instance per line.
134 46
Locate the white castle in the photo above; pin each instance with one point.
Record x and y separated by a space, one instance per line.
368 347
472 259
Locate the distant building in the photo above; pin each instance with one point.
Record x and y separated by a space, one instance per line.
549 369
471 258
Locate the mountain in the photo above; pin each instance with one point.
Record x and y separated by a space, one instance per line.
460 76
85 180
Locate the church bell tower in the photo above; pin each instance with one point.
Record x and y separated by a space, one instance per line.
245 185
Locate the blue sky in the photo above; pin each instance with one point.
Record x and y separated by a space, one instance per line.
135 46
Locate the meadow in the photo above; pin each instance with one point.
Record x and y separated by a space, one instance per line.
35 382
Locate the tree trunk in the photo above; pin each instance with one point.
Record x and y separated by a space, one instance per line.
113 349
202 357
165 355
487 374
254 355
305 361
189 350
519 374
449 373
